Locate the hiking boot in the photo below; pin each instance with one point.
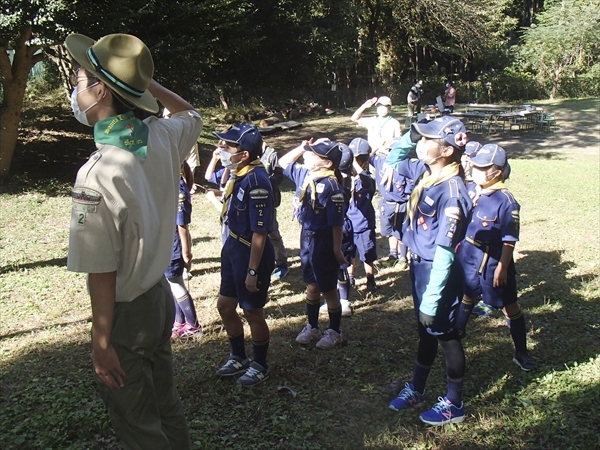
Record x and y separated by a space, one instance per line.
234 366
255 374
330 339
444 412
407 398
482 309
307 334
524 361
280 272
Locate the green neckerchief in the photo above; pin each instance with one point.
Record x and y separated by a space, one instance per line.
123 131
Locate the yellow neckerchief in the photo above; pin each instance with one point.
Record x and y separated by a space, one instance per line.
238 173
488 190
428 180
310 181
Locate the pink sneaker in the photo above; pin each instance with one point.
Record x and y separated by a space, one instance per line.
190 331
177 327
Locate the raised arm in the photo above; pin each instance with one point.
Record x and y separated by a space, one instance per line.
292 156
173 102
362 108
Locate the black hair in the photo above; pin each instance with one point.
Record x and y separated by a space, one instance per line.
119 104
188 176
362 159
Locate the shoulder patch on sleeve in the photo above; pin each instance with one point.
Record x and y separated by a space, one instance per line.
337 198
85 196
515 215
259 194
452 212
181 197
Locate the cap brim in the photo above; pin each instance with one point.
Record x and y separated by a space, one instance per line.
418 130
77 45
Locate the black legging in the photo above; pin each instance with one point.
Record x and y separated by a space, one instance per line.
453 352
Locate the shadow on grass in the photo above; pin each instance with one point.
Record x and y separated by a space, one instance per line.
14 267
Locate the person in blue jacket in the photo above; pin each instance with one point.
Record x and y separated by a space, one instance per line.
486 253
435 224
320 209
247 257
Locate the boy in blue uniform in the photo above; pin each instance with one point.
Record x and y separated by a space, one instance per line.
247 258
186 321
361 211
392 207
321 213
487 250
435 224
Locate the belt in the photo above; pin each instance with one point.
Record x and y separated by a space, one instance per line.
483 247
243 239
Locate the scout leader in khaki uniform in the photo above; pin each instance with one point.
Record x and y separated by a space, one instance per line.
122 227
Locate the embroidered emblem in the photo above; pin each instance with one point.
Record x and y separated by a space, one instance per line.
240 194
86 196
320 188
452 213
337 198
484 224
130 128
429 200
461 139
515 215
259 194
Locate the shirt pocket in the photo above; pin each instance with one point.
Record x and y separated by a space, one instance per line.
427 210
483 217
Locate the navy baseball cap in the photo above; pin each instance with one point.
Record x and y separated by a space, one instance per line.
360 146
327 149
346 159
489 154
245 135
451 130
472 147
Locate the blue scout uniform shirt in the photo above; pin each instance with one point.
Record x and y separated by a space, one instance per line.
495 219
361 212
184 216
391 185
251 206
441 215
328 209
217 176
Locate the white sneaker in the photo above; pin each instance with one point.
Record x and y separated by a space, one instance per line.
346 308
330 339
307 334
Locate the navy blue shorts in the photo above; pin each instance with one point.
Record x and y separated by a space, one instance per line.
175 268
391 216
366 245
235 257
348 246
447 310
319 266
479 275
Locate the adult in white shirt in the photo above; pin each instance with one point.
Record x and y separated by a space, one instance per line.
382 128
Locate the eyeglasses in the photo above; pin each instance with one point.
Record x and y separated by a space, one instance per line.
74 79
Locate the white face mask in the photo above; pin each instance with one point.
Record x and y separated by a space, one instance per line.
77 112
481 177
422 148
226 160
382 111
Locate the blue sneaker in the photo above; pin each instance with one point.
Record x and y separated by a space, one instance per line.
280 272
443 412
407 398
482 309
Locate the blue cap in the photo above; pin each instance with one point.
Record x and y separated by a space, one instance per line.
472 147
451 130
327 149
346 159
489 154
360 146
245 135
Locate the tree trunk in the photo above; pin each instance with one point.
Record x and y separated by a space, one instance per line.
14 82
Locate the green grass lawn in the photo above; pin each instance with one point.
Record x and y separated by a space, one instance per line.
320 399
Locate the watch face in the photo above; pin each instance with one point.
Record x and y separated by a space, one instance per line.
252 272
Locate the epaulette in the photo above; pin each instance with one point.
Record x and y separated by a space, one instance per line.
508 195
259 194
454 189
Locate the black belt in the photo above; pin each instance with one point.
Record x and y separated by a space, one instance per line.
243 239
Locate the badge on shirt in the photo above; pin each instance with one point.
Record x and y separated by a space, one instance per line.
85 196
429 200
452 213
515 215
240 194
320 188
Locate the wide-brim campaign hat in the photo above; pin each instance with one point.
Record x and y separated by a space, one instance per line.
451 130
121 61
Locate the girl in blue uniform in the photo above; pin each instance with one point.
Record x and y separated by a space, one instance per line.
435 224
320 210
186 321
486 253
247 258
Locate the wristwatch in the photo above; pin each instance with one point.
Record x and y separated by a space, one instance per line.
252 272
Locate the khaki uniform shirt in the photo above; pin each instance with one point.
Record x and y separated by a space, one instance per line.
380 131
123 215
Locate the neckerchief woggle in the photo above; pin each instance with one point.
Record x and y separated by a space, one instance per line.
124 131
238 173
428 180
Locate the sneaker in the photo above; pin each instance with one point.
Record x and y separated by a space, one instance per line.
177 326
234 366
389 261
402 264
190 331
307 334
280 272
186 275
407 398
482 309
444 412
371 286
524 361
330 339
254 375
346 308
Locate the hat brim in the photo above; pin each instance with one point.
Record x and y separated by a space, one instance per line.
78 45
419 130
